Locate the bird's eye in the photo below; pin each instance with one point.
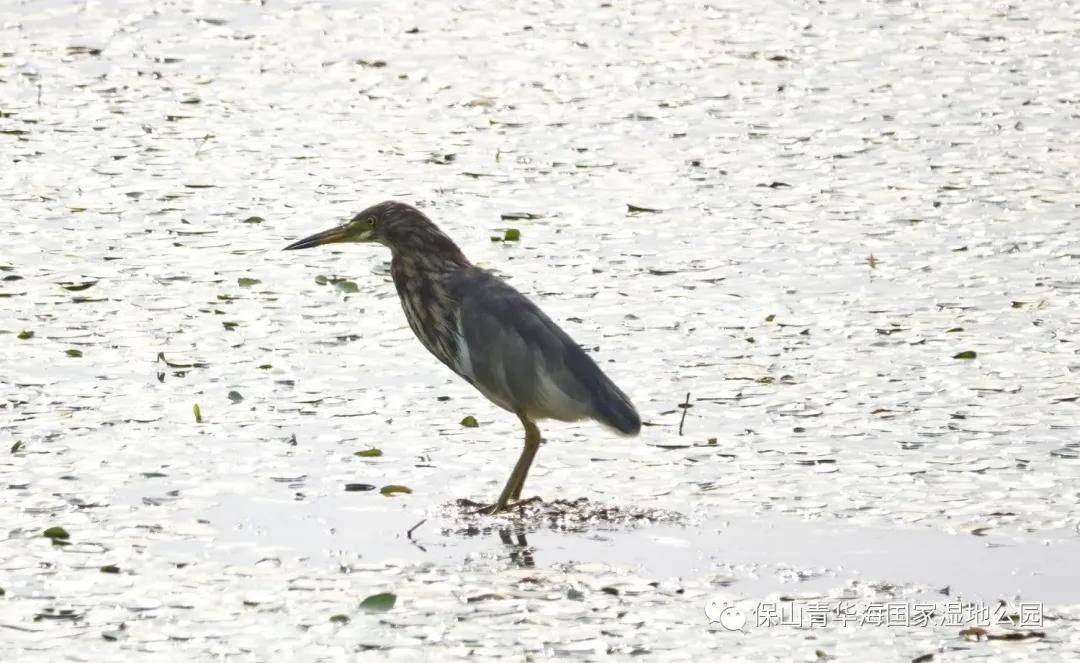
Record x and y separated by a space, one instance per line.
370 222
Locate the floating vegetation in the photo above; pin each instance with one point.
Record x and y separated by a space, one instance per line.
341 283
580 514
77 287
509 235
83 50
58 534
173 364
379 602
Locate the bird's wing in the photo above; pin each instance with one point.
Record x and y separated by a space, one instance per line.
521 360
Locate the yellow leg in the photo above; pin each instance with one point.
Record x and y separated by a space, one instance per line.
532 444
514 484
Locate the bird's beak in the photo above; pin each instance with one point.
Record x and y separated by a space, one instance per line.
331 236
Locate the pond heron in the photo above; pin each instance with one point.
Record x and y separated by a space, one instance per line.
487 332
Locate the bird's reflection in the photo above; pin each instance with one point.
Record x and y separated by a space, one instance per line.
518 546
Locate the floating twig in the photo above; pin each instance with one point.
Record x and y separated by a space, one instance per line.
685 406
408 534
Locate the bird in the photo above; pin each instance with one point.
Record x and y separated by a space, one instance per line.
486 332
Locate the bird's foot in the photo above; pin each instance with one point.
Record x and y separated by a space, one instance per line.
520 504
492 509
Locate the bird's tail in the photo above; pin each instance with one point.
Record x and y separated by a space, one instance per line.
613 408
609 405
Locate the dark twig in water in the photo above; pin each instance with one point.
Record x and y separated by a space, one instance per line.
408 534
685 406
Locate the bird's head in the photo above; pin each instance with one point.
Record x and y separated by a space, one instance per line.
396 225
378 223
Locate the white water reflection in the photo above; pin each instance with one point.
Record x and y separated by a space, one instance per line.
850 199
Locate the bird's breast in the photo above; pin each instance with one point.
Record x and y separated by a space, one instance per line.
433 313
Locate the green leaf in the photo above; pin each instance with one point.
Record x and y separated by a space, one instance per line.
470 422
55 533
347 286
246 282
229 324
110 568
24 335
198 413
265 367
253 219
379 602
72 352
369 453
235 396
322 280
393 489
339 619
17 447
512 235
966 354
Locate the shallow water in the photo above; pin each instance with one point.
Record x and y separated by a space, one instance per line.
847 197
